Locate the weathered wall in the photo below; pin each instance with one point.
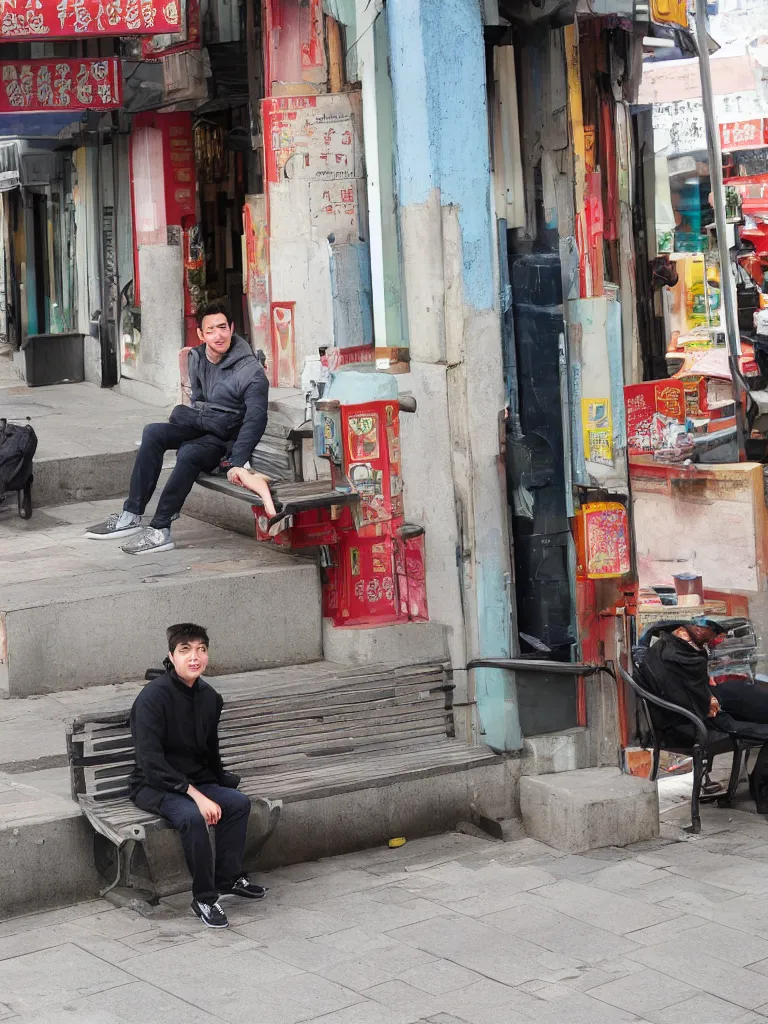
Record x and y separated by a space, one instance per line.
451 466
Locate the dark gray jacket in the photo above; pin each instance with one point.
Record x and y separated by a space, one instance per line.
237 407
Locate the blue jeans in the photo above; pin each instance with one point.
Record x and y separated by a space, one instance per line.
209 875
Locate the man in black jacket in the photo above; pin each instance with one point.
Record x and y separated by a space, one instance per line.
179 773
230 395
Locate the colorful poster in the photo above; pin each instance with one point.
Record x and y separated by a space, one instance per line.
70 19
283 342
598 430
606 534
61 84
363 437
642 402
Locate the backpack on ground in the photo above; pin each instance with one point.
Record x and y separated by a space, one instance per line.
18 445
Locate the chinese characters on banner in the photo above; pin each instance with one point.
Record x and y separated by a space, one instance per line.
67 19
743 134
60 84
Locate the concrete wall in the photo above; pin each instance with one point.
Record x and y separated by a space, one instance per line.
155 378
451 466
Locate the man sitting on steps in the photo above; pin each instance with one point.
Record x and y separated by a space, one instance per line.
230 395
179 773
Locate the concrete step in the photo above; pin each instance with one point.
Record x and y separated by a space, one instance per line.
87 438
76 612
582 810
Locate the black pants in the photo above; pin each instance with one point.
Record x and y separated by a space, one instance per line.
209 875
748 702
198 453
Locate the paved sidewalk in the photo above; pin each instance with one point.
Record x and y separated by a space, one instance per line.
449 930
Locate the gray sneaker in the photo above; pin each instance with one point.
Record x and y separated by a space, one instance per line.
119 524
148 540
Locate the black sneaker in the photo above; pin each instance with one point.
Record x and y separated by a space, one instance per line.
243 886
210 914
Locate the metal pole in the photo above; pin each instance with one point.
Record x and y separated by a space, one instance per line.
727 284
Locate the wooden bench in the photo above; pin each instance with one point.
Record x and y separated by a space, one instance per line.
293 735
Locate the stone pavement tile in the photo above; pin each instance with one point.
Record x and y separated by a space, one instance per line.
642 992
36 939
744 913
361 909
590 977
116 924
624 876
487 1001
305 954
139 1002
368 1012
401 893
6 1012
439 976
309 893
729 944
276 922
47 918
666 930
487 950
398 994
611 911
241 987
571 866
376 968
705 972
51 977
542 924
526 851
704 1009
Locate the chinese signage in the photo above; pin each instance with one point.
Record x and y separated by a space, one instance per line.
743 134
60 84
678 126
69 19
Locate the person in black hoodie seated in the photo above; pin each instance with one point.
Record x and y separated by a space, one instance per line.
676 668
179 773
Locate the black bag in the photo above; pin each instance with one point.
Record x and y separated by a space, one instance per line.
17 449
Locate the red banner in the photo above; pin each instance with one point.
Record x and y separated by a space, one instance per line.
60 84
744 134
70 19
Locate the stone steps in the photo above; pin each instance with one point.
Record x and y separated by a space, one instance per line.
76 612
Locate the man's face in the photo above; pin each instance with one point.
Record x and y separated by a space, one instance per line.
190 659
217 335
703 636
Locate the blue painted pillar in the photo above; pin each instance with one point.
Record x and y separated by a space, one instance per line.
442 174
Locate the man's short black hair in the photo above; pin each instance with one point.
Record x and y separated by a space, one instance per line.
218 306
182 632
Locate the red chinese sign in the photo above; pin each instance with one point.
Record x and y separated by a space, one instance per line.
744 134
642 403
60 84
70 19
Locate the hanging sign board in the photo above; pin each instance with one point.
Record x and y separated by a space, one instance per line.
60 84
71 19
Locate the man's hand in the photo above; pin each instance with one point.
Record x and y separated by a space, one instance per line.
210 810
714 706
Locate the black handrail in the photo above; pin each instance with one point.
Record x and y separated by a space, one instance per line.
563 668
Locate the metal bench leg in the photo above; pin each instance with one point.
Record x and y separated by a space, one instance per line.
733 781
123 856
698 776
655 763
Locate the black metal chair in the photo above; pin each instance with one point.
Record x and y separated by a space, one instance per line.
708 743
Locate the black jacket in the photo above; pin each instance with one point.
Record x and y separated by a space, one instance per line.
175 735
238 405
675 671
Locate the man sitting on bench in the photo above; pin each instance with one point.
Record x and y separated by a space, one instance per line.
179 774
230 395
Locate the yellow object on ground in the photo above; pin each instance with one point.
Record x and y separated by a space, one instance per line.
394 843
